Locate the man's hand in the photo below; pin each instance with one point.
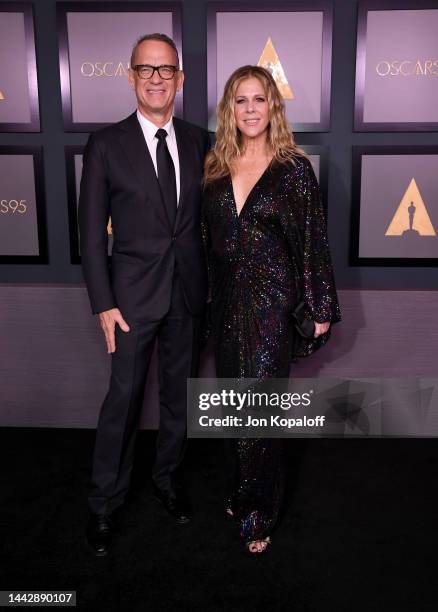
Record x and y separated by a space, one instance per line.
321 328
108 320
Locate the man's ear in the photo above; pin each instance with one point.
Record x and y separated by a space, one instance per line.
131 78
180 80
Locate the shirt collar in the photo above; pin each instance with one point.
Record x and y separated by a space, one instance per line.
150 129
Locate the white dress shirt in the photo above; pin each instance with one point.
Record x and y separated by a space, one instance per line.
149 130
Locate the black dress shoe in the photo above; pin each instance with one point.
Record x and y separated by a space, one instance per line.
100 530
176 505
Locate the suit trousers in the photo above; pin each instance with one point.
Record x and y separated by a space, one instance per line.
177 335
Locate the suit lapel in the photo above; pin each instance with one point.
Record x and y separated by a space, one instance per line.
134 145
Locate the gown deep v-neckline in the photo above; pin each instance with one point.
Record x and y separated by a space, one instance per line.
251 191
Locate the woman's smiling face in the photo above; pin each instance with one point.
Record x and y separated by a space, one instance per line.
251 109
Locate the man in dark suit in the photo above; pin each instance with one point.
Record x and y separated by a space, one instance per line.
145 172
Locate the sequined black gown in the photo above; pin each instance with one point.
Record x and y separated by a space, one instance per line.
257 271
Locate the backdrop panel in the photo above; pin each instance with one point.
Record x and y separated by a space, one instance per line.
397 66
395 206
19 111
23 237
94 68
293 40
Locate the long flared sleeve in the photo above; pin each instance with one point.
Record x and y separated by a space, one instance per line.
319 288
314 267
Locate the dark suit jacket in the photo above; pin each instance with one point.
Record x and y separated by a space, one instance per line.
119 179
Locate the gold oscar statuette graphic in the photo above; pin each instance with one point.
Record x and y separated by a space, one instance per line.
2 95
269 59
411 217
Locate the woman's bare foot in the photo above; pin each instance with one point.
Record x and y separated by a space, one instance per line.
258 546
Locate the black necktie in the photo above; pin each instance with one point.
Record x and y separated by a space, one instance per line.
166 175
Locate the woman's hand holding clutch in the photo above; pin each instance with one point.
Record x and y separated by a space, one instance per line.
321 328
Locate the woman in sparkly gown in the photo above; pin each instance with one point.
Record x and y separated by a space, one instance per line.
265 236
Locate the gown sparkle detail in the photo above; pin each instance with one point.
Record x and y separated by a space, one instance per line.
257 272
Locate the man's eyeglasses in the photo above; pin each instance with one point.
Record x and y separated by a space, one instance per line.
145 71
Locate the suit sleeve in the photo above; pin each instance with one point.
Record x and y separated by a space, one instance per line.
93 214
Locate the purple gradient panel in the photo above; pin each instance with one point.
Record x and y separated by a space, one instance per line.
105 95
401 36
15 107
297 39
384 181
18 218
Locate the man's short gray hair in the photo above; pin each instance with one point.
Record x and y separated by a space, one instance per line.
155 36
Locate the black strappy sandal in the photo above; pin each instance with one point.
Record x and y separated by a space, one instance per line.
265 541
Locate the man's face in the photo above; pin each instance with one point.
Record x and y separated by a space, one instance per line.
155 96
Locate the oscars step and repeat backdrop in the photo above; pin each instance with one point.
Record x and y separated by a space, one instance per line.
393 211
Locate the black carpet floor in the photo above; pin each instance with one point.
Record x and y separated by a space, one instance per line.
359 530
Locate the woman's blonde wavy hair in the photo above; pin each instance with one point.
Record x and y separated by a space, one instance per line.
229 144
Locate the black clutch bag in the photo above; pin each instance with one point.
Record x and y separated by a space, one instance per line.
303 323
